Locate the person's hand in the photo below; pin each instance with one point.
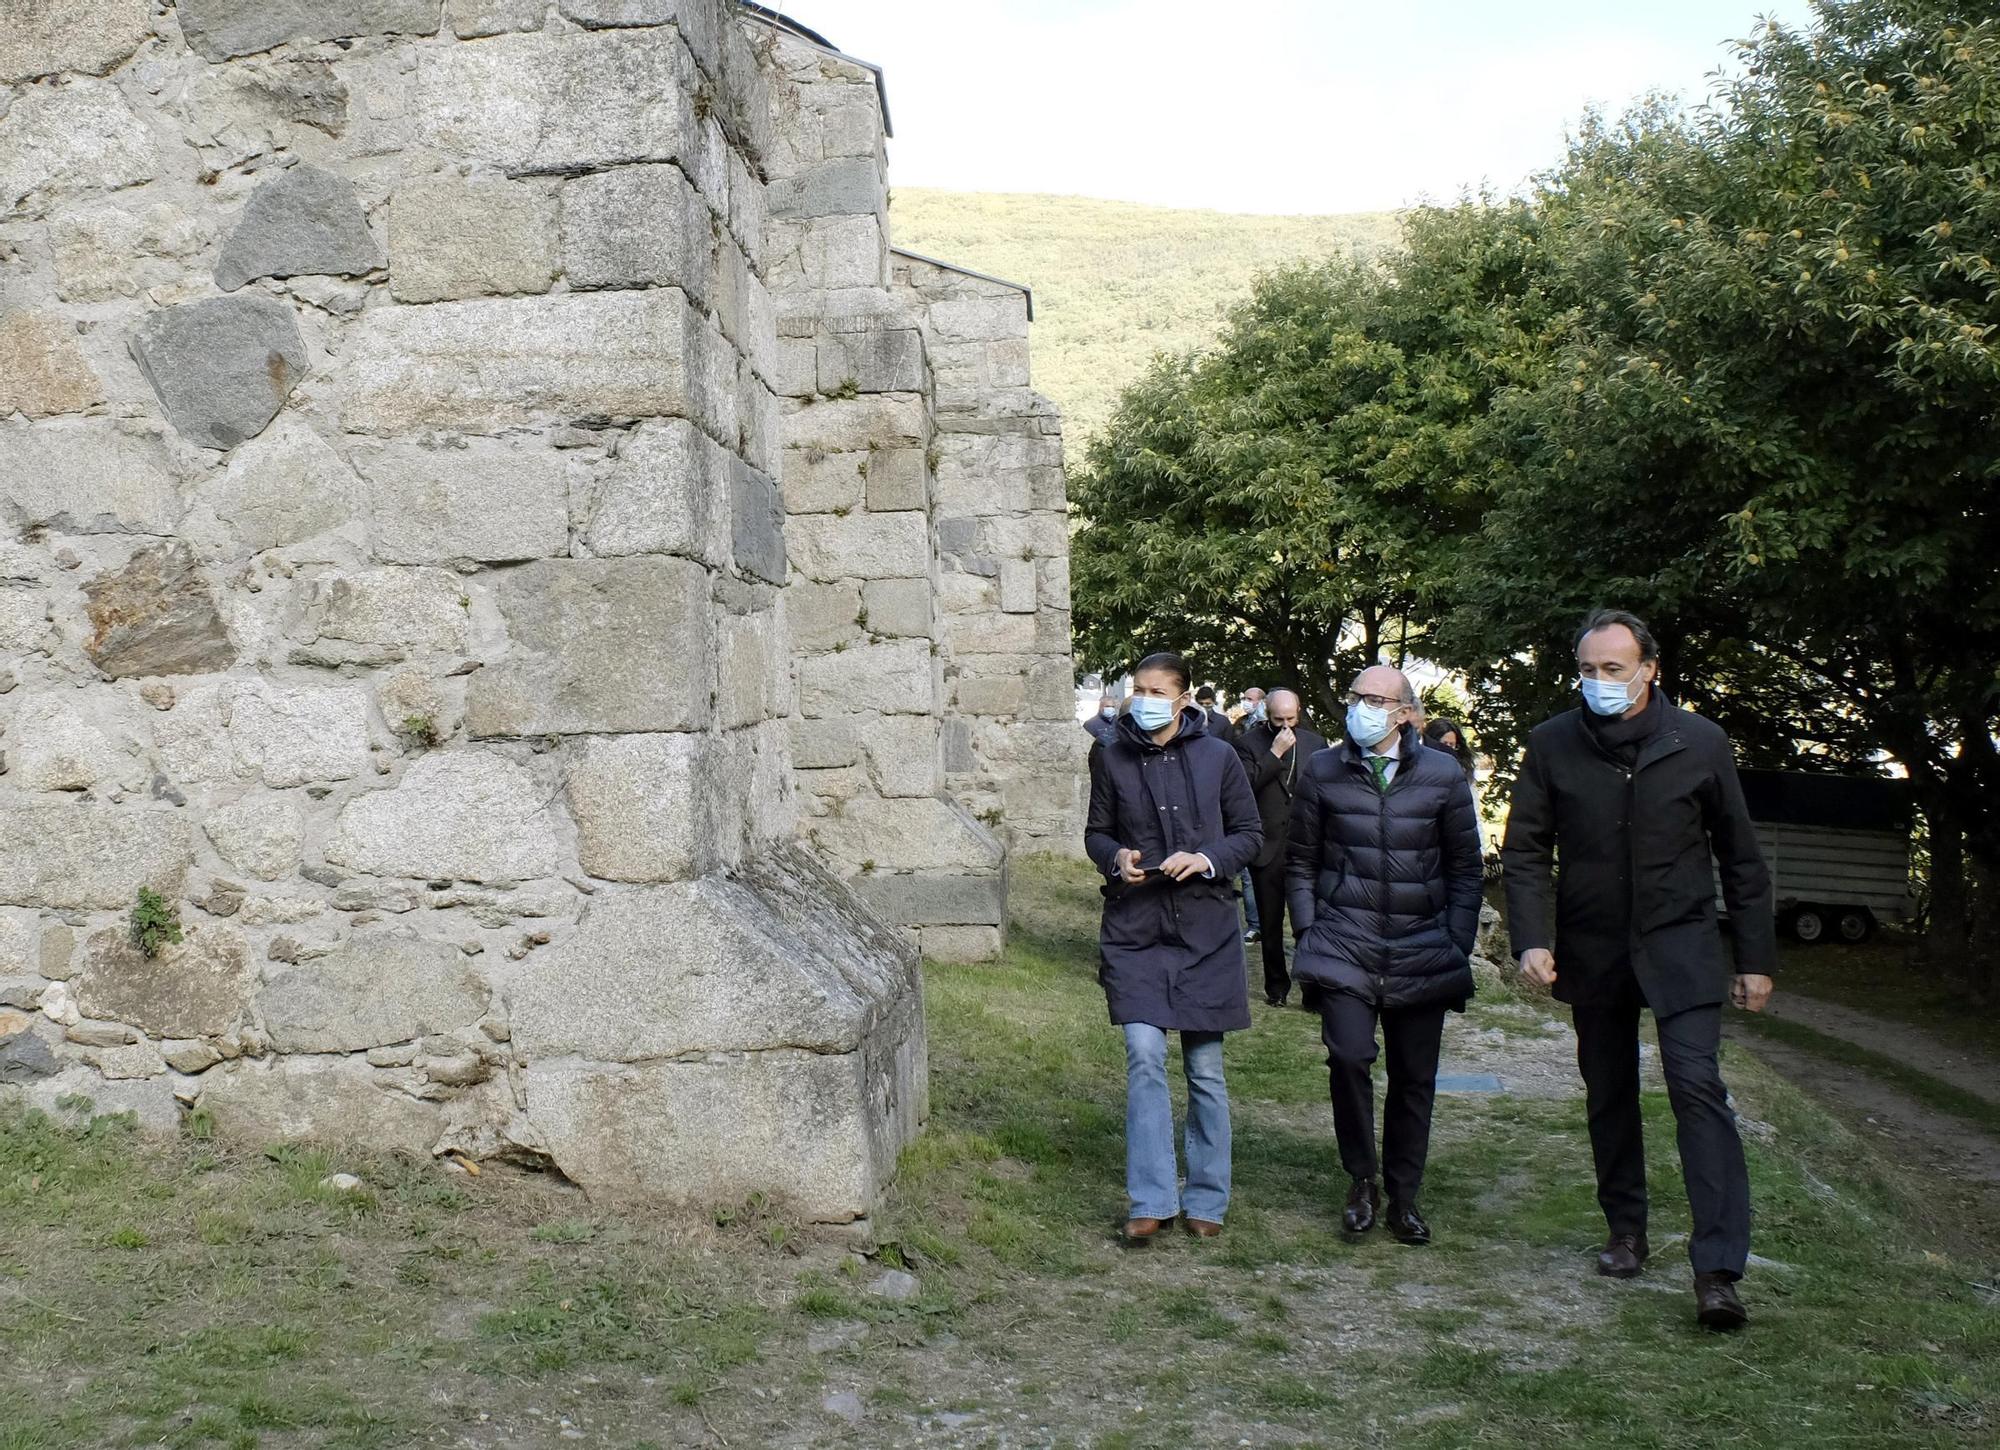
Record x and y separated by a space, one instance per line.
1186 865
1750 992
1538 965
1128 867
1283 742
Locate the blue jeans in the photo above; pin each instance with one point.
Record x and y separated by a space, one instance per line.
1152 1181
1249 900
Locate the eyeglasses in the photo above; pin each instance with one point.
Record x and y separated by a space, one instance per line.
1376 702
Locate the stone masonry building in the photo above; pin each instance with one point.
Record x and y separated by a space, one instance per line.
494 535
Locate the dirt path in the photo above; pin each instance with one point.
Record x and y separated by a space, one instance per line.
1963 1068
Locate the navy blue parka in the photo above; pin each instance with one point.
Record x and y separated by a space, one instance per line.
1385 886
1170 953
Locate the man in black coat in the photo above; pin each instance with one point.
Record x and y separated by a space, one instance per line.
1636 797
1384 879
1218 723
1274 750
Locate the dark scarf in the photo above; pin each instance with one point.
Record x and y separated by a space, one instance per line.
1621 736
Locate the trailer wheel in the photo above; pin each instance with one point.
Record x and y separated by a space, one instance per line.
1806 924
1855 924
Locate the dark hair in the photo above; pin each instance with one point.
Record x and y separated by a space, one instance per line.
1649 648
1205 695
1440 727
1169 660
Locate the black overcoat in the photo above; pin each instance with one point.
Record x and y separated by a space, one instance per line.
1274 779
1171 953
1636 893
1384 886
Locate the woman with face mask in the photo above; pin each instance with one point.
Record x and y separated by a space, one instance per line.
1172 820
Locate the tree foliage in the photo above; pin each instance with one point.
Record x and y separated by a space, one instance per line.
1735 368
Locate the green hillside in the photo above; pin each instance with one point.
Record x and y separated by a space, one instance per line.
1115 282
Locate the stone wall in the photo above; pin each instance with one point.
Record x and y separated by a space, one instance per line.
393 577
1013 750
860 457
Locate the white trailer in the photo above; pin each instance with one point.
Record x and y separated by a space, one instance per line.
1838 848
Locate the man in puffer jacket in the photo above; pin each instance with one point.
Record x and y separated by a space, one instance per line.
1383 876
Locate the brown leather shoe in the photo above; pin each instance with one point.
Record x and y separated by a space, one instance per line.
1201 1228
1359 1215
1623 1256
1715 1301
1139 1231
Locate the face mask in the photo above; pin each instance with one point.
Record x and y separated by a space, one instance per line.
1366 725
1607 697
1152 714
1109 712
1257 713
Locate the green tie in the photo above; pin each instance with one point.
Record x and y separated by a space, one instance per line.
1381 767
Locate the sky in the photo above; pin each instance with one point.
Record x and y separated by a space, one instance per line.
1270 106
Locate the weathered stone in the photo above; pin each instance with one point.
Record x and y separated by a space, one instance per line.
880 420
880 360
221 367
100 1034
660 494
23 622
281 488
327 1099
258 835
477 236
645 806
862 545
76 1094
897 479
825 744
456 815
54 745
913 833
961 943
59 142
15 941
238 113
196 988
817 482
638 226
893 678
90 856
490 500
304 221
378 988
106 252
258 729
139 1059
53 956
42 371
412 609
409 696
219 29
849 186
830 252
470 19
607 645
757 523
156 616
898 608
824 616
45 37
753 669
86 476
921 900
558 103
507 362
191 1057
25 1057
904 754
1017 586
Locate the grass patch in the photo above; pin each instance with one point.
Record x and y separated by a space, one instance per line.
1934 1092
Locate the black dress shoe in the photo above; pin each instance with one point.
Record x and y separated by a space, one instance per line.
1407 1226
1715 1301
1277 1001
1253 935
1359 1215
1623 1255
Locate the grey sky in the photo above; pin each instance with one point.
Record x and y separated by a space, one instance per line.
1274 106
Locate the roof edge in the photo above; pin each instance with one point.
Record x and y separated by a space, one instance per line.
778 20
1022 287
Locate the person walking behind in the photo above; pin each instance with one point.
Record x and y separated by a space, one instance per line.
1273 753
1104 724
1636 797
1445 735
1219 724
1171 822
1252 713
1384 879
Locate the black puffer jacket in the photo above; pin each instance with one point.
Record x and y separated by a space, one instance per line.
1384 886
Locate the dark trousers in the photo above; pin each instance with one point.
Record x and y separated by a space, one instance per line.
1718 1181
1411 1036
1268 884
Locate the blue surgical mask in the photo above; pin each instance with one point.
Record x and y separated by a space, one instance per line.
1109 712
1152 714
1258 712
1607 697
1366 724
